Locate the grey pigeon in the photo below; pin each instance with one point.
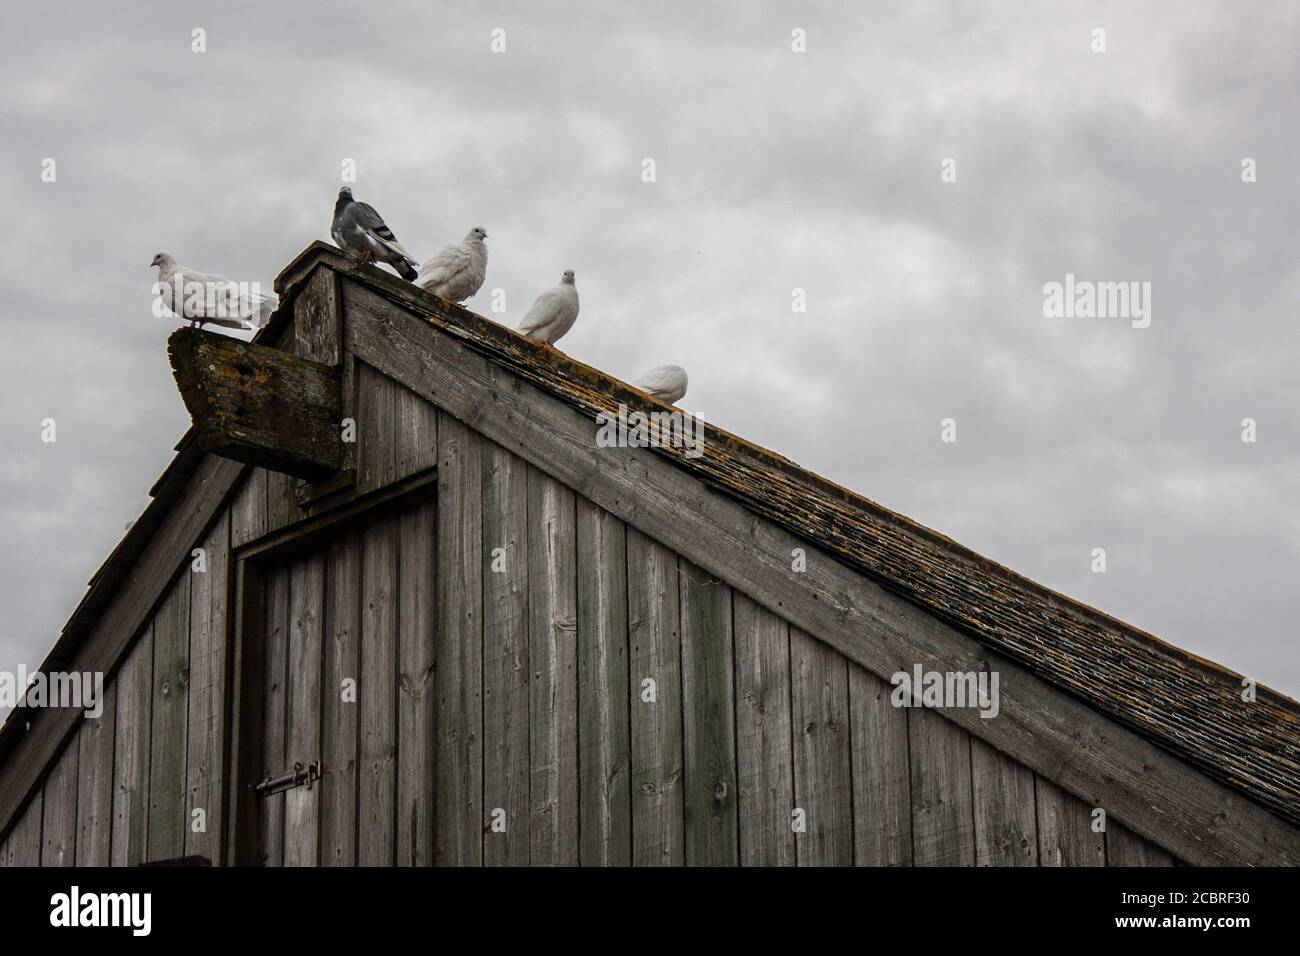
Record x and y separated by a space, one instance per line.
204 297
358 229
665 382
553 313
456 272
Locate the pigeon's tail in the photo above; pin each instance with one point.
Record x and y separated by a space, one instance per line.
406 270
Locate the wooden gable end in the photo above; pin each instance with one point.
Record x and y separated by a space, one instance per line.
563 654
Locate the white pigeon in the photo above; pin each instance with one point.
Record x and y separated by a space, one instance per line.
456 272
204 297
664 382
553 313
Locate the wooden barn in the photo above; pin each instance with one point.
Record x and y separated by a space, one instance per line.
393 603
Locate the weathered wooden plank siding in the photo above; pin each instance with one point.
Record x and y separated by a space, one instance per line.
131 752
339 682
1006 828
59 812
375 432
281 501
248 509
171 678
95 784
205 720
752 719
416 449
553 668
303 699
275 638
823 784
505 658
1048 730
604 745
416 435
510 646
882 789
1065 833
655 669
317 332
1126 848
764 765
943 818
23 843
155 753
459 829
417 592
708 719
116 626
377 697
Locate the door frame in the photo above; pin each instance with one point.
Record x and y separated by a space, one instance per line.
245 642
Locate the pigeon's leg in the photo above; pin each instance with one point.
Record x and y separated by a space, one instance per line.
367 256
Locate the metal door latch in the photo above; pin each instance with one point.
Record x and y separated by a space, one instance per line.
299 776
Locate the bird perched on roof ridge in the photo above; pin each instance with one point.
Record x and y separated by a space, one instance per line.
664 382
553 313
205 297
456 272
360 230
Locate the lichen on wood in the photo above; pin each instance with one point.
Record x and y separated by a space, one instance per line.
258 405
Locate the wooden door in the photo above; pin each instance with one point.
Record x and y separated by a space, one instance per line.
340 671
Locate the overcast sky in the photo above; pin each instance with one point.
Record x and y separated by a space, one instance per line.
775 170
